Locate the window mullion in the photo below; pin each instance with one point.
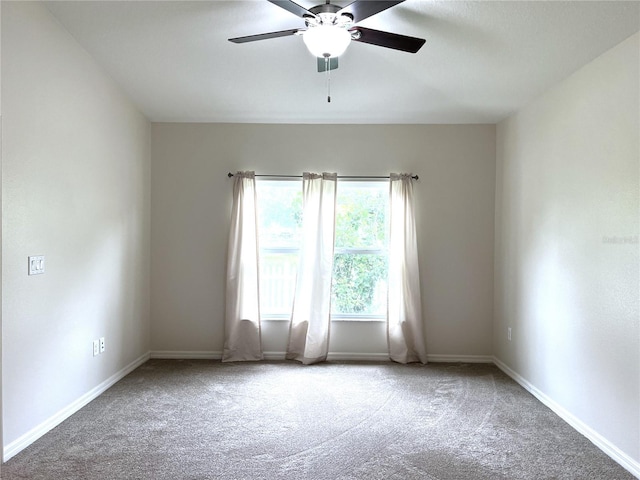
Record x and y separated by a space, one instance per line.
361 251
277 250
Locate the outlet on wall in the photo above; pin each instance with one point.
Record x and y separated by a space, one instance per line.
509 333
36 265
101 344
96 347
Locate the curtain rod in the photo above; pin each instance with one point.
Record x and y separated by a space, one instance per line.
364 177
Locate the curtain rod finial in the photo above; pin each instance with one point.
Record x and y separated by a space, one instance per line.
229 174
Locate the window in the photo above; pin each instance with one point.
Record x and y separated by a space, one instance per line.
359 287
280 232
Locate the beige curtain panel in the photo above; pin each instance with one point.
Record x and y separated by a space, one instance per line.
405 332
242 310
311 318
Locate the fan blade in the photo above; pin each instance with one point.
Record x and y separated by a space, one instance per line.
292 7
264 36
361 9
322 64
389 40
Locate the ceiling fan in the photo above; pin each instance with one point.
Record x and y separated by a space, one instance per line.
329 29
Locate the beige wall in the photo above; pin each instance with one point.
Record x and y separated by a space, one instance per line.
75 188
567 253
190 219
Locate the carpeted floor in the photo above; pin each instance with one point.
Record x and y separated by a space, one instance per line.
278 420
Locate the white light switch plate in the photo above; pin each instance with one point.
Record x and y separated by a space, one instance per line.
36 265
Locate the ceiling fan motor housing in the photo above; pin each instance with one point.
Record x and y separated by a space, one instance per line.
326 8
327 14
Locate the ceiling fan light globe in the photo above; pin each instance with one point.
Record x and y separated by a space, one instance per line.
327 40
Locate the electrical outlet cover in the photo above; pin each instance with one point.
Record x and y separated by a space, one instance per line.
101 344
36 265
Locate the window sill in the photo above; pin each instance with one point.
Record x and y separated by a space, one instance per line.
336 318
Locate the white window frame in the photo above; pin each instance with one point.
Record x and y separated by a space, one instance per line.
360 317
263 251
340 317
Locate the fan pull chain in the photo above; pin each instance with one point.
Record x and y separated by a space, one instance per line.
328 70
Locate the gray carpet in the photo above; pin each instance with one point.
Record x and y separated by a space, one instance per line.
203 420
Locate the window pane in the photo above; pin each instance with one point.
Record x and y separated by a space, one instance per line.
279 213
361 215
279 226
277 282
359 284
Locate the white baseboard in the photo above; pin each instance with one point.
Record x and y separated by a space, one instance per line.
358 357
338 356
333 356
35 433
215 355
460 358
186 355
598 440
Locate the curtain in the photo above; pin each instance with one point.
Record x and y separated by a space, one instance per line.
405 333
310 320
242 309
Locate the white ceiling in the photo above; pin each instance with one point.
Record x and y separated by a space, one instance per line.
482 60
